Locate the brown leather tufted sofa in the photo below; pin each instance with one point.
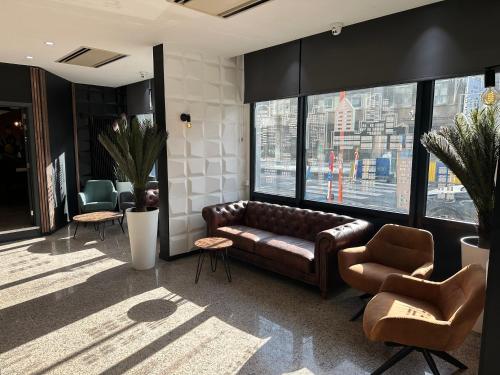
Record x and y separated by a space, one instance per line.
294 242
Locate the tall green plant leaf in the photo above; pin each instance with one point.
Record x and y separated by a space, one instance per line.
135 148
470 149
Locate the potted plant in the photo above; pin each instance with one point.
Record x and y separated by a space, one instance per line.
122 183
470 149
135 148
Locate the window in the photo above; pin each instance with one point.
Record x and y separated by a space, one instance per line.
276 146
359 147
446 196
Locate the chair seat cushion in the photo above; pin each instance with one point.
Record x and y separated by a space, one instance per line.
98 206
390 305
368 277
290 251
243 237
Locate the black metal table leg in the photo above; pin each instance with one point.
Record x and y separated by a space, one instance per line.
201 258
212 256
121 225
226 265
101 235
76 229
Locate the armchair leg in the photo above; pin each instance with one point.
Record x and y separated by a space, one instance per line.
427 355
430 362
358 314
449 358
362 310
393 360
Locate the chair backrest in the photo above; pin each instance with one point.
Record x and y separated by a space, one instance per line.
98 190
291 221
401 247
462 300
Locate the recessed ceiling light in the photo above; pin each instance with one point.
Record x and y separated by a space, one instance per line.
29 57
49 43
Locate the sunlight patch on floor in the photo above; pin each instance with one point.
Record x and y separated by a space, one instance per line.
212 347
27 264
16 244
103 339
55 282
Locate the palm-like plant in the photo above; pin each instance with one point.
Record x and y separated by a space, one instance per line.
470 149
135 149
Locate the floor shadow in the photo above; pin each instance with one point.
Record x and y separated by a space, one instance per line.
299 328
50 312
152 310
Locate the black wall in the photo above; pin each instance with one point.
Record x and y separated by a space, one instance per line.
432 42
139 95
60 116
490 339
15 83
445 39
98 102
273 72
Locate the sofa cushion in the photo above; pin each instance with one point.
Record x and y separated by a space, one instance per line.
368 277
293 252
242 236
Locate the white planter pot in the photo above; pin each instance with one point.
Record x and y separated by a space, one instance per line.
143 231
122 186
472 254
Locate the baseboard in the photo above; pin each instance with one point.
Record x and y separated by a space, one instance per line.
178 256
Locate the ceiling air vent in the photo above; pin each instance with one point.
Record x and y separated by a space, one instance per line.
91 57
220 8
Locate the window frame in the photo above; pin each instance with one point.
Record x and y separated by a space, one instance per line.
420 167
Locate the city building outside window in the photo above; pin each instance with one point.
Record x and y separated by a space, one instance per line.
275 125
446 196
359 147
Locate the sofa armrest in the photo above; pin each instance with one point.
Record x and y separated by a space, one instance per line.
329 241
351 234
223 214
424 271
412 287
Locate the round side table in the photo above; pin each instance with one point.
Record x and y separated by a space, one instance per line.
215 246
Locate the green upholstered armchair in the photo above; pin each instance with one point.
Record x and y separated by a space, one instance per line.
98 195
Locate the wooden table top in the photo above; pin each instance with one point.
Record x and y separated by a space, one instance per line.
97 217
213 243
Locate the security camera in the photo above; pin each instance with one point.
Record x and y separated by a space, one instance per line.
337 28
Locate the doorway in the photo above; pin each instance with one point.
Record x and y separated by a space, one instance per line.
16 199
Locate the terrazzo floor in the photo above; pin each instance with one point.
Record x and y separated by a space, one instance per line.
75 306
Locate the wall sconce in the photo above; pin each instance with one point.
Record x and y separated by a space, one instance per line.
490 96
186 118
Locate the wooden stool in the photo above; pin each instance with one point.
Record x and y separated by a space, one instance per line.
214 246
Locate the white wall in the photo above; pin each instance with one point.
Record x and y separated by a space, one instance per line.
207 163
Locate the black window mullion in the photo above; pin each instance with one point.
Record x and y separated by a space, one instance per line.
252 150
420 162
301 134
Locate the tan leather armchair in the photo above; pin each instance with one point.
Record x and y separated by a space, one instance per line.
393 249
426 316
